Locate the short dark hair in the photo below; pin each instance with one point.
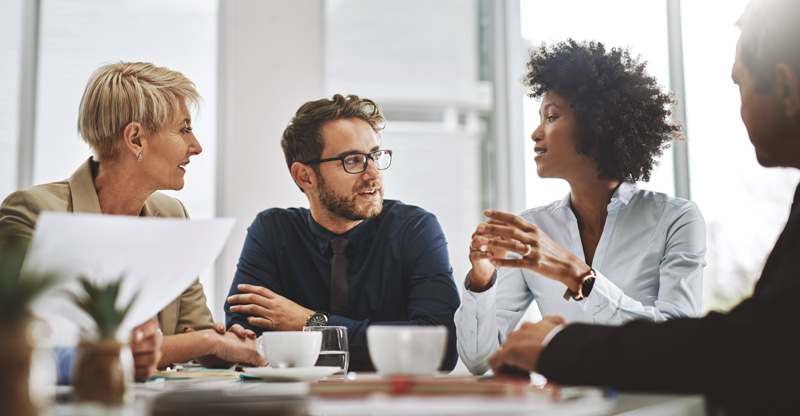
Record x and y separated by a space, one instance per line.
770 34
621 113
302 139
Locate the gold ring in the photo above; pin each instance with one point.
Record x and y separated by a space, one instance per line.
527 252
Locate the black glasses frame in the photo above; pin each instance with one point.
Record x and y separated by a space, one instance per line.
373 156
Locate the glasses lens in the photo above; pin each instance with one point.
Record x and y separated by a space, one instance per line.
354 163
382 158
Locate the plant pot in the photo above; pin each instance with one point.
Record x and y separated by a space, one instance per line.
103 371
15 367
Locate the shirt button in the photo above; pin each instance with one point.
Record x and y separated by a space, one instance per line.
596 308
472 333
470 301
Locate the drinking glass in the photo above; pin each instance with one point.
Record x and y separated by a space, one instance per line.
334 351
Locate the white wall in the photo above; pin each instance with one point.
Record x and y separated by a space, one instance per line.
270 62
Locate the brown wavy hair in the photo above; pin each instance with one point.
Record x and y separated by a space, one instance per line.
302 139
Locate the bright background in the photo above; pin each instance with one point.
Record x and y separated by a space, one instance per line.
447 74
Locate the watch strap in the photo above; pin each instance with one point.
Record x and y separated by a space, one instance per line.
587 283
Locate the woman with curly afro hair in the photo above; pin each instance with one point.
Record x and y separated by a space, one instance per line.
608 252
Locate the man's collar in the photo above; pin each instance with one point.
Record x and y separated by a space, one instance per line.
358 235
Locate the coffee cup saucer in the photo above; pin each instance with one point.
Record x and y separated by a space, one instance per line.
295 373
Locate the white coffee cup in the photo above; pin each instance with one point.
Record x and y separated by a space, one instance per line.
289 348
406 349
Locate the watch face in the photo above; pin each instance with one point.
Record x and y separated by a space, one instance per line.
317 319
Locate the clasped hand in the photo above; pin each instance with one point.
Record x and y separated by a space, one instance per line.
505 233
266 309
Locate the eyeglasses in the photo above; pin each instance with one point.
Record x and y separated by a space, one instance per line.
357 162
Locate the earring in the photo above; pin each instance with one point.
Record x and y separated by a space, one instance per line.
140 156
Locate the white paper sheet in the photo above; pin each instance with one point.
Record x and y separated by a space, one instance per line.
158 257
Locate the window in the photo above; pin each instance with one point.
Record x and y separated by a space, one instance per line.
78 37
745 205
611 24
10 54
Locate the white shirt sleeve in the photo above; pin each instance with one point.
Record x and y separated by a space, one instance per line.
480 326
680 279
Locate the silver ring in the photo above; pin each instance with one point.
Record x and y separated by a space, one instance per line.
527 252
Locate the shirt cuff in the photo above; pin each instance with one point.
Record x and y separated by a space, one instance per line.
550 335
603 301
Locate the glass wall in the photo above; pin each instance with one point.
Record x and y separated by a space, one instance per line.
419 60
10 56
745 205
76 37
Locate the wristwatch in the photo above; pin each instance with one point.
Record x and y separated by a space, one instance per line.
585 289
319 318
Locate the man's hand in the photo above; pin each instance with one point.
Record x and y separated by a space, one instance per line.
146 348
520 352
268 310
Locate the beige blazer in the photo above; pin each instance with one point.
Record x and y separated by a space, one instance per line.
19 212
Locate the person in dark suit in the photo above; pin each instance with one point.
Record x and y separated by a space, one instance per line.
740 360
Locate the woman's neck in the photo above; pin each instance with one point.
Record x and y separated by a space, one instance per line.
589 201
116 192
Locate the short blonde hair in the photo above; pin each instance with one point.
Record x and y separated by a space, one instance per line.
122 92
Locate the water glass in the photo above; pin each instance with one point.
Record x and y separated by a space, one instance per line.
334 351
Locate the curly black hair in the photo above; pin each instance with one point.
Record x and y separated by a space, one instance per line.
623 117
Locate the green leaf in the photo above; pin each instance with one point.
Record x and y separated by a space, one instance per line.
99 302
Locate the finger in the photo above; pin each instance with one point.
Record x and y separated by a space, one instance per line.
239 331
555 319
254 298
497 360
219 328
148 344
495 222
480 255
505 231
256 289
478 242
525 262
510 219
147 329
260 322
509 245
254 310
144 359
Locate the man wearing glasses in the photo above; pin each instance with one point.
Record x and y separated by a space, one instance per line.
352 259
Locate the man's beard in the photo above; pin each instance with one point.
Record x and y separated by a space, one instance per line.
344 206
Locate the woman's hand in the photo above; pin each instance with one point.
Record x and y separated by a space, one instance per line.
231 348
506 232
146 349
237 329
480 255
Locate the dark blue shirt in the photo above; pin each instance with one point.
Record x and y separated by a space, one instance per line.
398 272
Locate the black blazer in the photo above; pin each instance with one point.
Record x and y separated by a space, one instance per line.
747 361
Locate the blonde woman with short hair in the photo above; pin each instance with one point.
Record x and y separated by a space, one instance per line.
136 118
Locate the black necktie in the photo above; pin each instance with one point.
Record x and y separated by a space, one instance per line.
339 276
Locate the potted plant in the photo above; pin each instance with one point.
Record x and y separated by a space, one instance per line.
17 292
103 365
